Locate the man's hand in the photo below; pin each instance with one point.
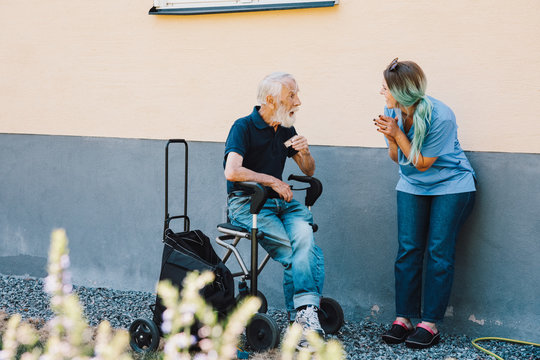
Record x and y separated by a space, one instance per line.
283 190
234 171
300 144
303 157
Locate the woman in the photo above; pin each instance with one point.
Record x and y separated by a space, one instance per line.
435 194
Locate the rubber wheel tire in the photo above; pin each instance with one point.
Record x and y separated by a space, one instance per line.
143 336
331 315
264 303
262 333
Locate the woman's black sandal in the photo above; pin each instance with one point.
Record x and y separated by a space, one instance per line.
423 337
397 334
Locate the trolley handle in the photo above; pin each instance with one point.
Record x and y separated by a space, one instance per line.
172 141
313 191
170 218
184 216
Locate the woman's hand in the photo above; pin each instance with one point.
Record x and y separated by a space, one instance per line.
387 126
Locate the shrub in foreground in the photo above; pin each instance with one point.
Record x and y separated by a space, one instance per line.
70 337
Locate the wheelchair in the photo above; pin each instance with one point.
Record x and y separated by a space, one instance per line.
262 333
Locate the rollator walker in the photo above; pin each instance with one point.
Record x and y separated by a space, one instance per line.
262 333
179 257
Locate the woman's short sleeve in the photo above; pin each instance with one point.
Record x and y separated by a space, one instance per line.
441 138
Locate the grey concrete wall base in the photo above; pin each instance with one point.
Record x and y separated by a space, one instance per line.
108 195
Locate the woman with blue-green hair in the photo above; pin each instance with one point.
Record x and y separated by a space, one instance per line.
435 195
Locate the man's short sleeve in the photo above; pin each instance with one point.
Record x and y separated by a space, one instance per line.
290 151
238 139
440 139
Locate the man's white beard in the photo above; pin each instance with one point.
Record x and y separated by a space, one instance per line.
284 118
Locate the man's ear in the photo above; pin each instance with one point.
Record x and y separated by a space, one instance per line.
270 101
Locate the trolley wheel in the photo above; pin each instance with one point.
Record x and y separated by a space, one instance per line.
330 315
143 335
262 333
264 303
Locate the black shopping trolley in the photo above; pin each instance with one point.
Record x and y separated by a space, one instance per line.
183 252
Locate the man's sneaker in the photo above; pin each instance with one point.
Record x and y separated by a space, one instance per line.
308 318
304 344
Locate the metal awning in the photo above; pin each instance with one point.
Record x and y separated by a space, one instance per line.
184 7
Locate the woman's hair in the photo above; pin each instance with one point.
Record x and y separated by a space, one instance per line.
407 84
271 85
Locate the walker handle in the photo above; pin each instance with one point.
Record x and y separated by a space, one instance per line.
258 198
313 191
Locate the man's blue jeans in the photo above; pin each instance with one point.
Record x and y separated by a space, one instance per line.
429 223
289 240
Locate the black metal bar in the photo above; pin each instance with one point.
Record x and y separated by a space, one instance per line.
254 257
168 218
166 221
186 223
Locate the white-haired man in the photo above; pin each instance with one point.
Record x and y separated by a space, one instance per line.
256 150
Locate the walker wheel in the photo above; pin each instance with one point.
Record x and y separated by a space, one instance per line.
330 315
264 303
143 336
262 333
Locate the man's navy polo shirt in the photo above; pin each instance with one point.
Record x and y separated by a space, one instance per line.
261 147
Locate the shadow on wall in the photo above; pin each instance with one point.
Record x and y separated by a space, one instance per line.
24 265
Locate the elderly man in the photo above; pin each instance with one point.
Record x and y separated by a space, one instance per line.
256 150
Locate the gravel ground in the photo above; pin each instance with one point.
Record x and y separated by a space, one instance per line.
361 339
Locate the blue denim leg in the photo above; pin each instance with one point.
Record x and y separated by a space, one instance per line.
288 285
289 241
413 224
306 283
448 213
432 221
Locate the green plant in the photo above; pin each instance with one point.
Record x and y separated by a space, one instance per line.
214 339
318 350
70 337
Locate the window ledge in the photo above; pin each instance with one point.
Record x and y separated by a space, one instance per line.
196 10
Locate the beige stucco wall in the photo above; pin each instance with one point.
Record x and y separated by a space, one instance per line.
107 68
